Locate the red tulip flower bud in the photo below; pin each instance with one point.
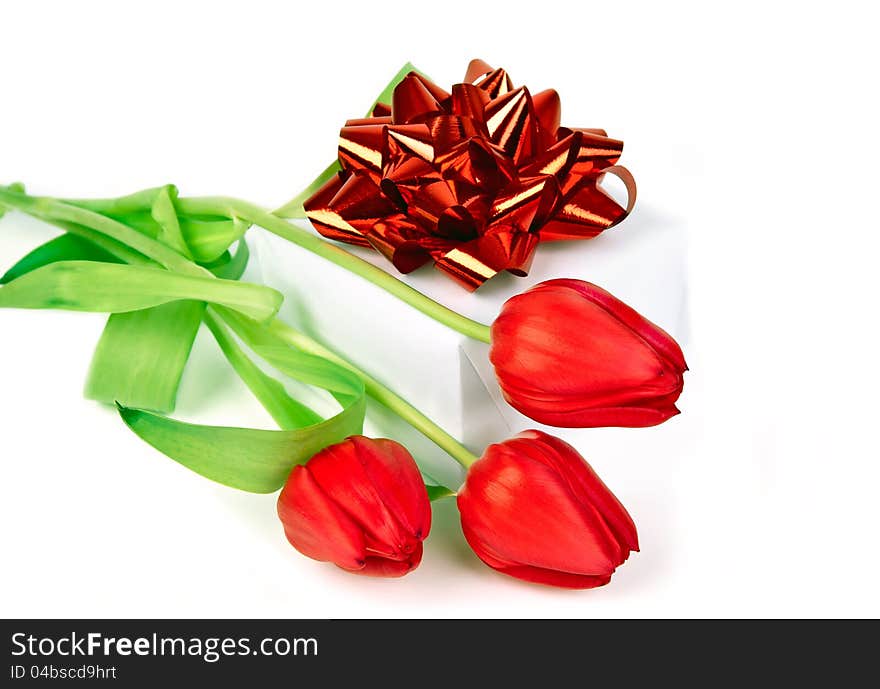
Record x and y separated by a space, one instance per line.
360 504
531 507
568 353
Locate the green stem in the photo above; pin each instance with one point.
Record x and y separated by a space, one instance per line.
53 210
379 392
287 412
358 266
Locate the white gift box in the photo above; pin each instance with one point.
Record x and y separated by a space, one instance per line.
443 373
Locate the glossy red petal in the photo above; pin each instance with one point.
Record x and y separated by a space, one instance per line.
389 569
565 462
340 471
585 482
584 416
316 526
535 575
528 515
654 335
567 353
553 338
398 482
550 577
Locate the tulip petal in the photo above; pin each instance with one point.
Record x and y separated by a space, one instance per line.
551 344
398 482
654 335
383 567
359 475
535 575
592 417
569 466
340 473
316 526
587 485
550 577
529 516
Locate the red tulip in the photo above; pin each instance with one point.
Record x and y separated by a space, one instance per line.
568 353
360 504
531 507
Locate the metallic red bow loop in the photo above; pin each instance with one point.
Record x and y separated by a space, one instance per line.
472 179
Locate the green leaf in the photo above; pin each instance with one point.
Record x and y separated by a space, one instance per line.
165 215
17 187
107 287
65 247
306 368
209 236
254 460
287 412
311 369
436 491
141 355
138 202
231 266
156 213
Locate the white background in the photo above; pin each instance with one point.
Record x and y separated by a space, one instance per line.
755 126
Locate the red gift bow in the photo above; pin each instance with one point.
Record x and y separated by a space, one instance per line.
472 179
